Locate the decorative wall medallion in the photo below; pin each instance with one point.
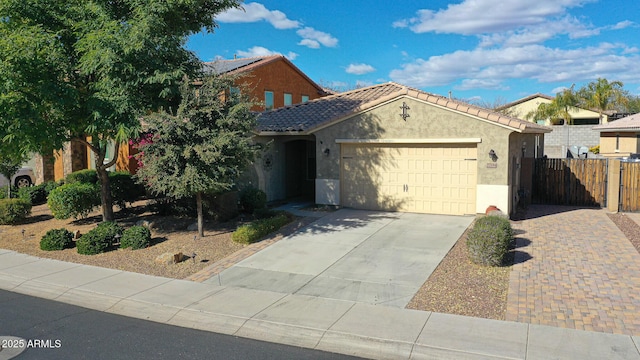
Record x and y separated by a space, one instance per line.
267 162
405 113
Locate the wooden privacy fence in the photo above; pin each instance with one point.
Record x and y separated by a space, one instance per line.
629 186
579 182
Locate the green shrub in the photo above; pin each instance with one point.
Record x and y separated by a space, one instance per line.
86 176
98 239
488 240
13 211
56 239
136 237
124 189
73 200
37 195
252 232
50 185
252 199
3 192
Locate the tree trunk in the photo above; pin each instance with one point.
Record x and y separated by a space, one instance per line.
105 193
200 217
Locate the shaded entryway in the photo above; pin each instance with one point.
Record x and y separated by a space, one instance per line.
300 169
365 256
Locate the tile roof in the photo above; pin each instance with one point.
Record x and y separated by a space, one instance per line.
629 123
243 65
525 99
239 65
306 117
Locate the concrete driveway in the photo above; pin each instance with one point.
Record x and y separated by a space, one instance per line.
364 256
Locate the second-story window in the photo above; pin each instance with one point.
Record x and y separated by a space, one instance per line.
268 100
288 99
305 98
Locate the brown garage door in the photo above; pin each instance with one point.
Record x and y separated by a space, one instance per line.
424 178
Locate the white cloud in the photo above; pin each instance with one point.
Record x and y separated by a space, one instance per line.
472 17
309 43
254 12
623 25
558 89
489 68
359 69
313 38
258 51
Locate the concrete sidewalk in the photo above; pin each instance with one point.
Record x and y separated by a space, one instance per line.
370 331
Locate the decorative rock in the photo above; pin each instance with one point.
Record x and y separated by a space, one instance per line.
166 259
491 208
146 223
192 227
77 235
170 258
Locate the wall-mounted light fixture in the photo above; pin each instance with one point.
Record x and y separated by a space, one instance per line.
326 152
492 155
524 148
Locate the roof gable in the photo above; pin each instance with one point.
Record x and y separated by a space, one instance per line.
310 116
629 123
245 65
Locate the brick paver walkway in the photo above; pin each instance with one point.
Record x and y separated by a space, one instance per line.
577 270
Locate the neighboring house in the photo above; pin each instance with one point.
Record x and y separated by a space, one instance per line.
272 80
520 108
562 139
389 147
620 138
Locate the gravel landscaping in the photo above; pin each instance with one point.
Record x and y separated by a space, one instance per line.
457 286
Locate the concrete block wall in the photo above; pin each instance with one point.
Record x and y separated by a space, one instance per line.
557 141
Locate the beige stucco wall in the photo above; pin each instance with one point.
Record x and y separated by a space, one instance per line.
426 121
629 143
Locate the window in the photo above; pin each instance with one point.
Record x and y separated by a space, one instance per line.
268 100
305 98
288 99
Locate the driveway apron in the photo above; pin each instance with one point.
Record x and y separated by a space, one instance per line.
574 269
364 256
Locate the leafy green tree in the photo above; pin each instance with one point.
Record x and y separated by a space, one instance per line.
11 159
87 70
559 108
602 95
633 104
204 147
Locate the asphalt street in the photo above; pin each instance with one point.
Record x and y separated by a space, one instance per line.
61 331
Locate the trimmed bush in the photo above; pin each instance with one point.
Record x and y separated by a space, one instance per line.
124 189
56 239
86 176
99 239
3 192
73 200
37 195
252 232
13 211
252 199
135 237
488 240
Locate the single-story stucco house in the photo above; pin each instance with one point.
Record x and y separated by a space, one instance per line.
390 147
620 138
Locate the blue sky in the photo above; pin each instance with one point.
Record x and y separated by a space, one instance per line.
480 50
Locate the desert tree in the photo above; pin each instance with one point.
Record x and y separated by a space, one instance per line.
87 70
201 148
